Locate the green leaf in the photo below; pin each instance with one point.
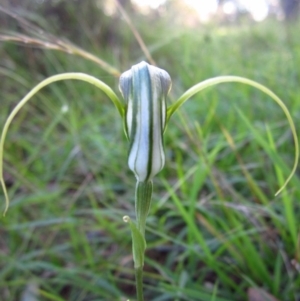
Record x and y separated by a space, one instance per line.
138 244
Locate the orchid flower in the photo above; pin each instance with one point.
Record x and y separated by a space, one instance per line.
145 115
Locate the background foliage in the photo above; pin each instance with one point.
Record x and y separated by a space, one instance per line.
215 230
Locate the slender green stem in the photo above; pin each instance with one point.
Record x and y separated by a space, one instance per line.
143 196
139 283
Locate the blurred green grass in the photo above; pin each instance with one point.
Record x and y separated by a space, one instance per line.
215 228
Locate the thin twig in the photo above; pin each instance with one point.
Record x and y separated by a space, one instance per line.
41 39
136 34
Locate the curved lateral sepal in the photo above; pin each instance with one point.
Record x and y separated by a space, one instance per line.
230 79
59 77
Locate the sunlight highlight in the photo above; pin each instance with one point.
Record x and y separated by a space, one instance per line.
259 9
151 3
205 9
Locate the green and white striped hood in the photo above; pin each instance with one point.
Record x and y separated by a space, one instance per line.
145 89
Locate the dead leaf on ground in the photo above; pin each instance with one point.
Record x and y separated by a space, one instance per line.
258 294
